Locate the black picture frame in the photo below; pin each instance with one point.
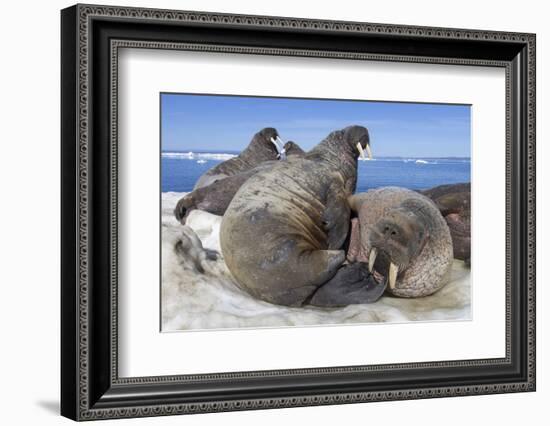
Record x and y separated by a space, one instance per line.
90 386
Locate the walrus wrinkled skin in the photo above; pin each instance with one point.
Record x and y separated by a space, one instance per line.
403 238
454 204
283 232
215 198
260 149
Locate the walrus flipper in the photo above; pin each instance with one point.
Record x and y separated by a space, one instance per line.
352 284
318 266
213 198
336 218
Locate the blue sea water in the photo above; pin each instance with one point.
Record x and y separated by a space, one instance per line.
180 171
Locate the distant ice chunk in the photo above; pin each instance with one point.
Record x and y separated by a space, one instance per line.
200 156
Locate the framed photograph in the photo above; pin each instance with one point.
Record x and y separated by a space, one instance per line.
263 212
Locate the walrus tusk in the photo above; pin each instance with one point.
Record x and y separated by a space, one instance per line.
372 258
360 149
369 152
393 274
278 147
276 143
281 151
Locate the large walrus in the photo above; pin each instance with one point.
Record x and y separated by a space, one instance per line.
264 146
215 198
283 232
404 239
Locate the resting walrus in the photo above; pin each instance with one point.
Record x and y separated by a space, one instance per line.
454 204
420 231
293 149
283 232
404 239
264 146
215 198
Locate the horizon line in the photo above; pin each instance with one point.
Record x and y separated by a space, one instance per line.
221 151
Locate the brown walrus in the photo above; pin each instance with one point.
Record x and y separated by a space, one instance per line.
264 146
283 232
215 198
454 204
293 149
403 238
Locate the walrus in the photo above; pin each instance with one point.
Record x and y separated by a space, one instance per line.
454 204
264 146
283 232
215 198
403 238
291 148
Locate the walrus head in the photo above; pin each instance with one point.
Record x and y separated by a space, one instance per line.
343 147
340 150
358 140
267 144
397 239
292 148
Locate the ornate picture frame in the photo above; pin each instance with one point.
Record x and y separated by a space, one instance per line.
91 37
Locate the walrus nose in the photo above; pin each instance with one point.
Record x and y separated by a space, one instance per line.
390 231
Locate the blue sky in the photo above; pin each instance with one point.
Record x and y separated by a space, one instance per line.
210 122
